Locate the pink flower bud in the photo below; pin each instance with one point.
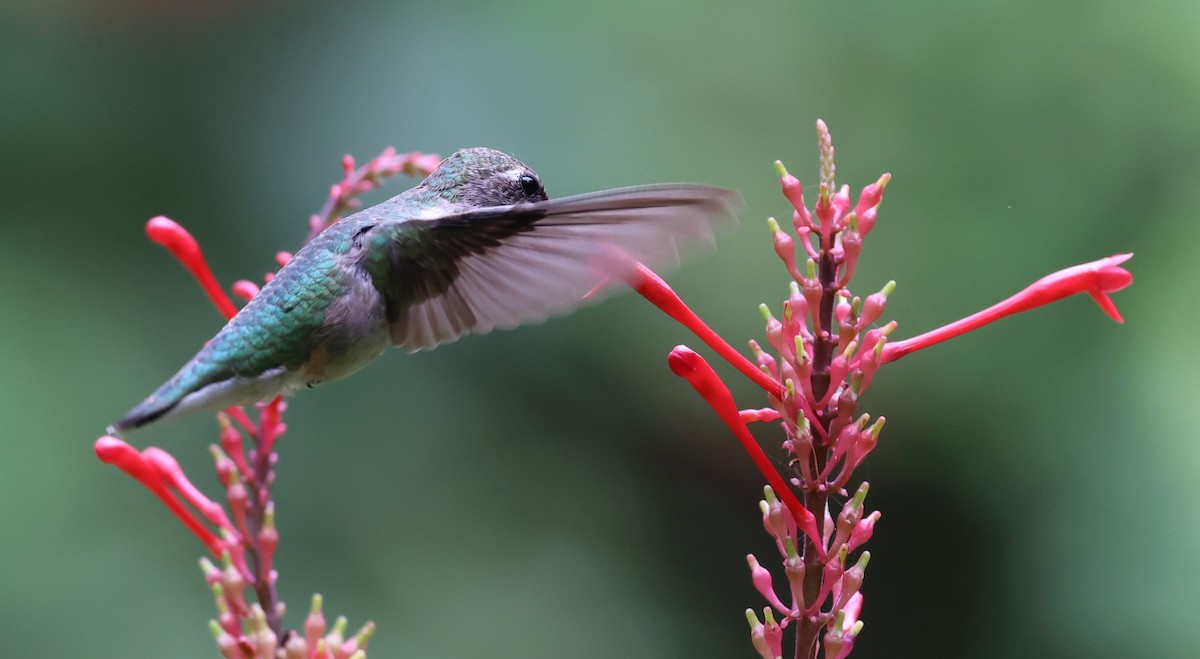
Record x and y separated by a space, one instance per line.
296 648
773 634
244 289
761 578
851 581
314 623
226 644
841 203
766 363
829 576
826 213
793 567
874 305
863 530
236 495
851 249
763 414
866 221
774 330
839 639
794 192
811 289
758 637
872 194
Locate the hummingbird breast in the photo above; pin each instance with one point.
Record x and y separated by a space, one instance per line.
354 331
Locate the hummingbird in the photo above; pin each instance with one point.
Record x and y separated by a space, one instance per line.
476 246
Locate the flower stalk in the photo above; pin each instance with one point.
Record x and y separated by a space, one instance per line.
824 352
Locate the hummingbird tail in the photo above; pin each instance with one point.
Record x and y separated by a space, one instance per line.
186 393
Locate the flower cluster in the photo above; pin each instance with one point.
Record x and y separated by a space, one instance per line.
822 354
245 538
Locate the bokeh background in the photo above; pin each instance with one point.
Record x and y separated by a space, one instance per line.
555 491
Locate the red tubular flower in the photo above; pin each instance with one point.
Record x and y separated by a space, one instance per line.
1097 279
172 475
650 286
183 246
690 366
115 452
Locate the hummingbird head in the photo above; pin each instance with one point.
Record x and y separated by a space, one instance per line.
481 177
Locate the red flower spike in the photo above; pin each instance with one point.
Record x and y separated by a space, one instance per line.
690 366
1097 279
113 451
650 286
283 258
186 250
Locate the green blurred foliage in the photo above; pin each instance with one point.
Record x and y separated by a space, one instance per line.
555 490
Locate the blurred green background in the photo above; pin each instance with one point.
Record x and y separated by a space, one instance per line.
555 491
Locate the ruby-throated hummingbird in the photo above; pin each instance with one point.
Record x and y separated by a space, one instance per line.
476 246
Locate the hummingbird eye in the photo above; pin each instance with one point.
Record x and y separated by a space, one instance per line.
530 185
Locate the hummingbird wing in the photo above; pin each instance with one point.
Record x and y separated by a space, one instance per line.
504 266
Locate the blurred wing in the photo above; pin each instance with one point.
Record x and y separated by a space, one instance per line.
506 266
